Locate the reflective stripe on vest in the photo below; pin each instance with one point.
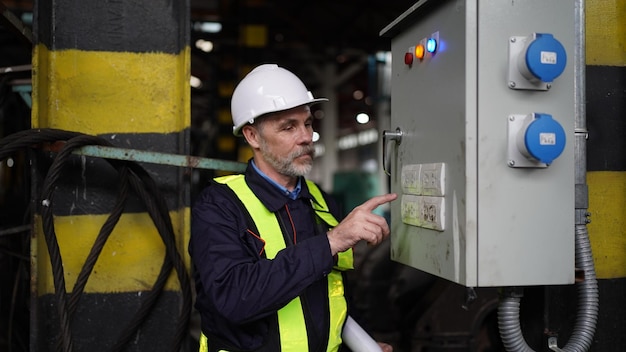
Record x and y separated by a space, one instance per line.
292 327
345 260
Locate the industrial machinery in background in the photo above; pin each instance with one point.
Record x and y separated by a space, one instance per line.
484 152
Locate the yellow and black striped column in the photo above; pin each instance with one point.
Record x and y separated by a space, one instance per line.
606 162
119 70
554 310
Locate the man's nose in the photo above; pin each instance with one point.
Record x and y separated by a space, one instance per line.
305 135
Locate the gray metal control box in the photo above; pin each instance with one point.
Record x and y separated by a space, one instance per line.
482 148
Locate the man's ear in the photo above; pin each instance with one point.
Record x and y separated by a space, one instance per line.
251 134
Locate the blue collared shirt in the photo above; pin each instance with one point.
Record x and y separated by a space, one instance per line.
291 194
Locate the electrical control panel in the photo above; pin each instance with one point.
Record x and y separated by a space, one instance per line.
482 151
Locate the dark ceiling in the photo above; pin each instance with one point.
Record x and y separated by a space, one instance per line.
319 25
303 36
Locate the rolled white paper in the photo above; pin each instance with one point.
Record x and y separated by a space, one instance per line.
358 339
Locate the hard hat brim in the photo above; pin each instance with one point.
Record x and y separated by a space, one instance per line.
237 129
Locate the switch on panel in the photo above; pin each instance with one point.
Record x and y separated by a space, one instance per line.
423 202
424 179
423 211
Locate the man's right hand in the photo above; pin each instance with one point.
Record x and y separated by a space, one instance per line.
361 224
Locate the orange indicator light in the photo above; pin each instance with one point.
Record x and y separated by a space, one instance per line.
419 51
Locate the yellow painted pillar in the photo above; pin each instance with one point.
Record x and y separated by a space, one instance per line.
606 122
118 70
606 163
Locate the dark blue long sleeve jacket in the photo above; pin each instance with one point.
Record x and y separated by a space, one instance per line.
238 290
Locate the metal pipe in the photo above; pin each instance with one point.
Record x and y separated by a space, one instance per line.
160 158
588 296
580 125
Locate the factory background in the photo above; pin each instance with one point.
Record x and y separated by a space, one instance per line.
157 77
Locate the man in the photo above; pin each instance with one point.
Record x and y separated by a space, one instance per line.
266 246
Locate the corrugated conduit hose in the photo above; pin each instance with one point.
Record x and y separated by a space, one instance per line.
588 305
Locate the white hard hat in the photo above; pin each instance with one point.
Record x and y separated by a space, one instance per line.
267 88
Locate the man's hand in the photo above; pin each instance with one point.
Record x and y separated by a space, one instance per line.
385 347
361 224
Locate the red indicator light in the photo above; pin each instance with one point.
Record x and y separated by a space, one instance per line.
419 51
408 58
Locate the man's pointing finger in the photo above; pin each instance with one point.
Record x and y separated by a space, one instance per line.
376 201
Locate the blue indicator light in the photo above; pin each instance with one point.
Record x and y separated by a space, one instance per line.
431 45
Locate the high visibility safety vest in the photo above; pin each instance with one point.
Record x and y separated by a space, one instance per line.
291 324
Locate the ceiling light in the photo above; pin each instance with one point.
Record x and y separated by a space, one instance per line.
204 45
362 118
195 82
358 94
207 27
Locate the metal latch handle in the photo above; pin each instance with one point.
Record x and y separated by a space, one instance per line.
389 136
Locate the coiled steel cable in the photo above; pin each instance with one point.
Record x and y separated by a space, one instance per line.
131 175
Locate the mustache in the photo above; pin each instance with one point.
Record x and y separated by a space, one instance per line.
305 150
